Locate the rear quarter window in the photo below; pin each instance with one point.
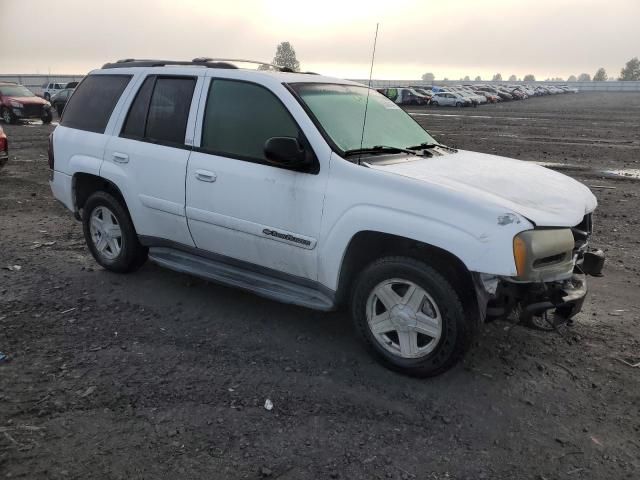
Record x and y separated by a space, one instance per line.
93 101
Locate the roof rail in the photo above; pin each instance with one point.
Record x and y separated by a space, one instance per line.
199 61
132 62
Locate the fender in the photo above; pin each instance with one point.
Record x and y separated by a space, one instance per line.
480 251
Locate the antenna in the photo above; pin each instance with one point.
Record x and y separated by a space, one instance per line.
366 105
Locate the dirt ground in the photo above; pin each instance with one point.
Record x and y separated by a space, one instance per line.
156 375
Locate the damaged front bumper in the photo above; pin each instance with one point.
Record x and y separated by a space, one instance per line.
501 297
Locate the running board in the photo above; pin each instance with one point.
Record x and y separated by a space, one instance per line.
256 282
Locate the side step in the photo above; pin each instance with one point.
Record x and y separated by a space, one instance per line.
259 283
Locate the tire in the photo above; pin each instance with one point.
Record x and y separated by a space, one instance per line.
59 109
108 215
458 104
8 116
47 97
451 333
435 104
47 117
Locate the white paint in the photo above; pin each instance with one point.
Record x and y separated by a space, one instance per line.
459 202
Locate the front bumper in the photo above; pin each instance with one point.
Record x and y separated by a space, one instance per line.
29 111
565 299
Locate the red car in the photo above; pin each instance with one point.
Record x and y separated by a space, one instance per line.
4 148
18 102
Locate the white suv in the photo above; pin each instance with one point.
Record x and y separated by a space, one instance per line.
267 181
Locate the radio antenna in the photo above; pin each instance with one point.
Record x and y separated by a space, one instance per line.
366 105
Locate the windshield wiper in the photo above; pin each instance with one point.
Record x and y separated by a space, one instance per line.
378 149
425 146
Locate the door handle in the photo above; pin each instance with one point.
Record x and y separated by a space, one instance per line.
120 157
205 176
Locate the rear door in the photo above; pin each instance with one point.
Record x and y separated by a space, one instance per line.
147 156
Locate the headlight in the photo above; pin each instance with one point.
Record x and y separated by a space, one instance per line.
543 255
15 104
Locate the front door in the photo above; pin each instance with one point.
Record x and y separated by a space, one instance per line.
240 206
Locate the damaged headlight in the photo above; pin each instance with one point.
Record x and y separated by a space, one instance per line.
543 255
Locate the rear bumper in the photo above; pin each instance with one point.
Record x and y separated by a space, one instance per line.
62 188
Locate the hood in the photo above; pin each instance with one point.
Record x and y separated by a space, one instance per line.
543 196
27 100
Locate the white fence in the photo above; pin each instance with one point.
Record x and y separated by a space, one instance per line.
612 86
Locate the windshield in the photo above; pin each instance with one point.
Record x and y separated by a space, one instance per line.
16 91
339 109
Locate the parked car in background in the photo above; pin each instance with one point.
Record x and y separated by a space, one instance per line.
450 99
17 102
4 148
59 100
404 96
424 92
51 88
71 85
491 97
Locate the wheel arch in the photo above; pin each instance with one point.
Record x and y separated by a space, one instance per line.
85 184
368 245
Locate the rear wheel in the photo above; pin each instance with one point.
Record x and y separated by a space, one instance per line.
410 316
434 103
47 117
110 234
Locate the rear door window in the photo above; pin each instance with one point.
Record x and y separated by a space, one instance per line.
92 103
160 110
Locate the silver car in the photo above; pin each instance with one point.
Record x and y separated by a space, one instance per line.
450 99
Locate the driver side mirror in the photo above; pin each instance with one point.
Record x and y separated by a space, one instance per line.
286 152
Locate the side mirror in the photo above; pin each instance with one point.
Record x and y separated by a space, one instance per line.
285 152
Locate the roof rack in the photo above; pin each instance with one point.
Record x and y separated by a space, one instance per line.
200 61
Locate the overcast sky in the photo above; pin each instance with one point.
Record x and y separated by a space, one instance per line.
450 38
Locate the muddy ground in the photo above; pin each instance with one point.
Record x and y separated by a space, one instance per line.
156 375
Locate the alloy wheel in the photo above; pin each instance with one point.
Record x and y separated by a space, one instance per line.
403 318
105 233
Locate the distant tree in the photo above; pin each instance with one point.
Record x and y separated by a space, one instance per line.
478 79
572 78
466 78
584 77
513 78
428 77
631 70
286 57
529 78
446 79
497 77
600 76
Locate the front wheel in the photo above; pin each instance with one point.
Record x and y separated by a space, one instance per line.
110 234
458 104
8 116
410 316
434 103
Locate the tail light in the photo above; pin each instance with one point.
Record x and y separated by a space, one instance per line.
50 152
4 144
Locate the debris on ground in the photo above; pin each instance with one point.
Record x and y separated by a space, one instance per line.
268 405
13 268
